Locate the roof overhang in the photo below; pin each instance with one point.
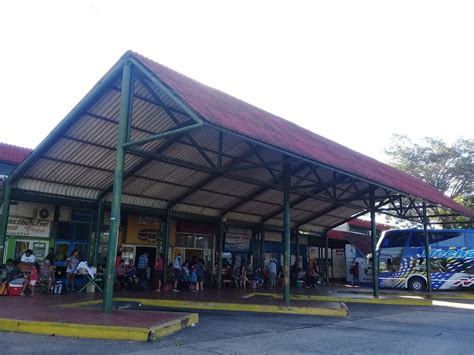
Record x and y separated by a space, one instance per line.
200 152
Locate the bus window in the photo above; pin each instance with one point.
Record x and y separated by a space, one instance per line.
447 239
417 239
395 240
469 239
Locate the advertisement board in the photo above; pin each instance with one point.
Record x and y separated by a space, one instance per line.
237 242
143 230
28 227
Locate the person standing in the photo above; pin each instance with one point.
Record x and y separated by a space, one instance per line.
71 268
177 270
51 256
355 274
272 272
159 269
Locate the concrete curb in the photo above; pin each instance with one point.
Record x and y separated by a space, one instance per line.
100 331
239 307
389 301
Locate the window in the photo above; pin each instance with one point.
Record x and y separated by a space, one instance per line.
396 240
447 239
417 239
65 230
82 231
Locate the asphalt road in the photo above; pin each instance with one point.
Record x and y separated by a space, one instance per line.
370 329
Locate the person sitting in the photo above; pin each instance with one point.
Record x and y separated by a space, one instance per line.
301 275
15 276
28 257
30 280
46 275
131 275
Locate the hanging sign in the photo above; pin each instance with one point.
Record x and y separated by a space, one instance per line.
27 227
143 230
237 242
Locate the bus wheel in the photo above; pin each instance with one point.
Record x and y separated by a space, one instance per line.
417 284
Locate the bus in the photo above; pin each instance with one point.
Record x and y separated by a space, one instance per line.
401 255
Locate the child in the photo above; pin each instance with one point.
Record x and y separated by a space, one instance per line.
30 280
47 274
194 283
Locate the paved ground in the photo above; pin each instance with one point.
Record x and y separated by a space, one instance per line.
370 329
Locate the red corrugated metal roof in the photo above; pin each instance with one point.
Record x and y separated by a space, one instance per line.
223 110
13 154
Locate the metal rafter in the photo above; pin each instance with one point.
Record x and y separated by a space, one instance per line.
171 115
295 202
255 193
270 171
212 177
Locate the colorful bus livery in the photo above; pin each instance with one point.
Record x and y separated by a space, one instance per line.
402 259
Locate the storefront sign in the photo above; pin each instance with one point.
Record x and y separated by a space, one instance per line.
27 227
143 230
237 242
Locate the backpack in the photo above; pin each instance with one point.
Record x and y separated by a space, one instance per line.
4 289
58 288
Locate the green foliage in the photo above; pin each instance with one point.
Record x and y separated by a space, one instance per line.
449 168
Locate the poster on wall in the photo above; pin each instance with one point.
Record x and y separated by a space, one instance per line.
237 242
143 230
28 227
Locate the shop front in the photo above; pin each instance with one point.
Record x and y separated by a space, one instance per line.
29 227
144 234
194 240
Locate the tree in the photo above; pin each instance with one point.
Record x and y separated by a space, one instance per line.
449 168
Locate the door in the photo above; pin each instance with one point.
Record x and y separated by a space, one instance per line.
151 254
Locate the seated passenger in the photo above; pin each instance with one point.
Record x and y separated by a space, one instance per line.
46 275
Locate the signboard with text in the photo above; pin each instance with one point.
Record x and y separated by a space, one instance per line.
28 227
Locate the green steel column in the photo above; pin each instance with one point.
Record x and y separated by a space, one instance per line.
427 251
373 234
262 241
326 258
125 117
286 233
98 230
5 213
166 241
221 253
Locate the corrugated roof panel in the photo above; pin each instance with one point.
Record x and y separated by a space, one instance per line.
313 205
235 216
150 117
95 131
56 189
161 191
225 185
259 208
180 207
170 173
69 174
143 202
108 106
83 154
187 153
209 199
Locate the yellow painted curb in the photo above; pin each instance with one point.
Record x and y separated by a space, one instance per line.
100 331
239 307
75 330
392 301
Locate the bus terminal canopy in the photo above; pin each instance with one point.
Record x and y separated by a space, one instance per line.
193 150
